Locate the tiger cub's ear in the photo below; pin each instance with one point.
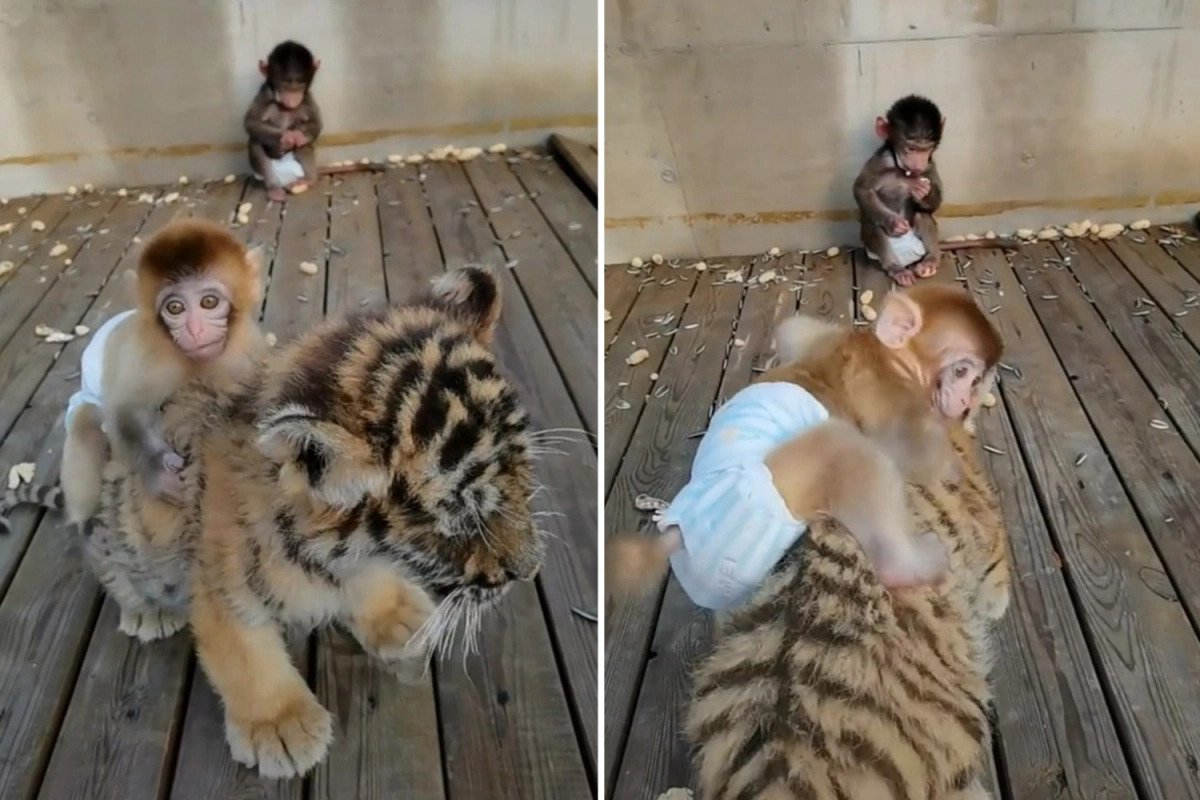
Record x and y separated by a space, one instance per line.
335 465
472 295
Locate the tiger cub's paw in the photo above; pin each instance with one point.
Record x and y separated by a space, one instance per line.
147 625
386 631
289 744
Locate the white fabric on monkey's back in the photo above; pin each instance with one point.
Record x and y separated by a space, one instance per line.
734 523
907 247
285 170
91 368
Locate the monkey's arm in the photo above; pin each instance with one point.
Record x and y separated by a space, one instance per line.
312 126
870 204
257 126
933 200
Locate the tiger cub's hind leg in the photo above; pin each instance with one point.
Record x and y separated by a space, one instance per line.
141 617
383 612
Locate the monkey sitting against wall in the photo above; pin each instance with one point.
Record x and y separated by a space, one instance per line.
284 122
899 189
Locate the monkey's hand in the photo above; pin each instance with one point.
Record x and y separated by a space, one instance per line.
167 481
299 139
920 188
289 140
897 225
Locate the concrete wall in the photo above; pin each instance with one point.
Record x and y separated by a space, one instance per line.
734 127
137 91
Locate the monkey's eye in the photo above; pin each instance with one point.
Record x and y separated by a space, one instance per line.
209 302
174 307
960 372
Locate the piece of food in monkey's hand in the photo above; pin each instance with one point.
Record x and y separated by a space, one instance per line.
38 225
1140 225
299 188
58 250
637 357
308 268
21 473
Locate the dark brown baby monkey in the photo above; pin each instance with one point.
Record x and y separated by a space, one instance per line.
284 122
899 189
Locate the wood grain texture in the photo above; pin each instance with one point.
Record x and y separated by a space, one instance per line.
567 576
568 211
1163 279
620 293
658 463
560 299
411 256
581 158
1141 640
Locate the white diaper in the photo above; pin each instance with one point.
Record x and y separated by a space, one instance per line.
91 368
734 523
908 249
285 171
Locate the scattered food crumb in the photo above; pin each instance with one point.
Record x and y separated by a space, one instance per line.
230 178
245 208
1111 230
171 198
653 376
82 330
1048 234
21 473
299 188
183 180
637 357
869 313
676 793
395 158
607 315
1140 225
58 250
832 252
88 188
6 267
7 227
739 342
308 268
989 400
415 158
1025 233
271 339
657 258
579 612
636 262
71 190
867 297
58 337
700 266
498 148
774 252
38 225
122 192
22 210
1159 424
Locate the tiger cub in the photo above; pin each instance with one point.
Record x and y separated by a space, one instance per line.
376 474
825 686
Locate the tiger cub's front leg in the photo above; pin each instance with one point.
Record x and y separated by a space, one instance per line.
272 718
383 611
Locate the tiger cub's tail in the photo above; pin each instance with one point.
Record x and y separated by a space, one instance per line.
49 497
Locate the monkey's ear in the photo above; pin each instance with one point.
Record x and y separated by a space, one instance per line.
942 127
899 320
881 128
316 65
262 67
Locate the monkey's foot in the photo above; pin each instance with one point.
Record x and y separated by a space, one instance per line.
276 194
926 268
903 276
151 624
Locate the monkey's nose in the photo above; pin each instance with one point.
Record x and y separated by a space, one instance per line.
169 589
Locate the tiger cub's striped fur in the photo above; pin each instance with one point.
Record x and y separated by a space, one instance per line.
827 687
376 473
133 546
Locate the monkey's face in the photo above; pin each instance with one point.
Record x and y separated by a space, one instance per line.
290 94
958 387
195 312
913 157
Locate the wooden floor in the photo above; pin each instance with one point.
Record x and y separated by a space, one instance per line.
1098 679
87 713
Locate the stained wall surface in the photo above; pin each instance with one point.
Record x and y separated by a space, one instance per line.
140 91
734 127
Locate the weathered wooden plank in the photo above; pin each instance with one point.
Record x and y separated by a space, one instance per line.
503 737
1166 282
1141 639
1187 254
385 730
50 606
20 244
620 292
301 240
411 257
562 302
651 324
568 211
1151 342
22 361
659 463
581 158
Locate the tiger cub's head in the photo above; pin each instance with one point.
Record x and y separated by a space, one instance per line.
400 430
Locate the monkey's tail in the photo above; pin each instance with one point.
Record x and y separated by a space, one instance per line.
634 563
796 335
49 497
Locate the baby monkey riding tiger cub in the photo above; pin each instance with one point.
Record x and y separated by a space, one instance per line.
837 430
